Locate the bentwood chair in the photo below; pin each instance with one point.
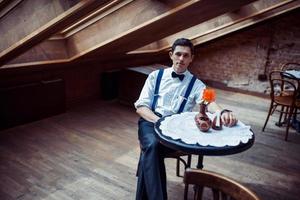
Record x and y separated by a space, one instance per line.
178 155
283 93
222 187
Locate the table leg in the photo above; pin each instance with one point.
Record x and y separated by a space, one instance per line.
200 162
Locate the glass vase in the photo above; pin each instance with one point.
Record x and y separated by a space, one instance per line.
202 120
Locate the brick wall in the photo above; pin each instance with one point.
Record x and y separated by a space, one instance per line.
238 59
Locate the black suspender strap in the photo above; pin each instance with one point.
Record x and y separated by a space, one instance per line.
187 94
157 84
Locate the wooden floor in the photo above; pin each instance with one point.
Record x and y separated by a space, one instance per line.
91 152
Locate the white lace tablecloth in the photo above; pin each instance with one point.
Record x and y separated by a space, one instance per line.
182 126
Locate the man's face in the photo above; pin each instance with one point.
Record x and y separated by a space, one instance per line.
181 57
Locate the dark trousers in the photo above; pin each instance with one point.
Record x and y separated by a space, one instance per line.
151 183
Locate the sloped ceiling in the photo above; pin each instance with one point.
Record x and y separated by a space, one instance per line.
105 30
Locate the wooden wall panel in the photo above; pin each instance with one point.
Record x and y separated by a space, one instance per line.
32 101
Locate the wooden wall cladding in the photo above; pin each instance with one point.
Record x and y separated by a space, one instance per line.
33 101
131 84
110 82
124 85
132 81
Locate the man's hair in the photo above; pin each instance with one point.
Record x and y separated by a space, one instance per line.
183 42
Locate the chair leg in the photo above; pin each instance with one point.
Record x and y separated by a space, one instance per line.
185 163
280 116
178 166
216 193
286 114
288 122
274 108
186 191
269 113
198 192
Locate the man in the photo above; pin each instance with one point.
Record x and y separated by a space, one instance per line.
166 99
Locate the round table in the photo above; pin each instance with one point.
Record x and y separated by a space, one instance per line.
201 150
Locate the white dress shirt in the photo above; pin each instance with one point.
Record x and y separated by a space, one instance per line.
171 92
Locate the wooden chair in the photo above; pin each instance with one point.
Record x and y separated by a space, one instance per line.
291 66
178 155
222 187
280 97
284 91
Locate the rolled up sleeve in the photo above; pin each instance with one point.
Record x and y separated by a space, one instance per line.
147 93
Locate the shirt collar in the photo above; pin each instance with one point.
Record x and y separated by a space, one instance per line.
186 72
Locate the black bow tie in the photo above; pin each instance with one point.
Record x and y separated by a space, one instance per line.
180 76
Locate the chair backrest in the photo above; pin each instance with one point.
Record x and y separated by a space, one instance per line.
281 84
292 71
290 66
282 75
222 187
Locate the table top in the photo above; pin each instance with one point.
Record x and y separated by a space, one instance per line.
186 137
295 74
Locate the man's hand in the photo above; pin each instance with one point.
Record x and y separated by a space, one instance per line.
228 118
147 114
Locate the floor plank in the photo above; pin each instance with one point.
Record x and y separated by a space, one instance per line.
91 152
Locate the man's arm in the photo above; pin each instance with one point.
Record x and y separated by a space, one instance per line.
147 114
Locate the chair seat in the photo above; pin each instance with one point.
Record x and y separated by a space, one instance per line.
178 156
287 93
284 100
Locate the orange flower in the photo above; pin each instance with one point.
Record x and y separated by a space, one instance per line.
209 96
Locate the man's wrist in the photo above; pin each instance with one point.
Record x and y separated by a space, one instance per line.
224 111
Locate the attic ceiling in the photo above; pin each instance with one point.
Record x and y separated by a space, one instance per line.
38 32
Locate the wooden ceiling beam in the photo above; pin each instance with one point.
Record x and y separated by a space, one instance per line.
156 52
152 17
64 20
159 26
227 23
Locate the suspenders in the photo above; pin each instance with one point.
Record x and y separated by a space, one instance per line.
157 84
186 95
